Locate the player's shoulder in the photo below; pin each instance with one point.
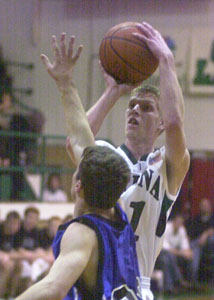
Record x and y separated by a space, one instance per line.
104 143
79 234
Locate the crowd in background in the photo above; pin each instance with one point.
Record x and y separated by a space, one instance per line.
25 250
187 256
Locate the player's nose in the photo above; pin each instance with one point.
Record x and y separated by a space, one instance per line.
136 108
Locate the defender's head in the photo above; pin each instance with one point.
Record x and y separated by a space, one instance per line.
102 176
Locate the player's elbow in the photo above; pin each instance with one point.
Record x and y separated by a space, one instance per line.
57 294
53 290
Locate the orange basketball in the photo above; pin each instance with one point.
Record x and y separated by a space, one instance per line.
124 57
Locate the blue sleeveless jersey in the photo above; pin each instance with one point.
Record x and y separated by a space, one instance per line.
118 274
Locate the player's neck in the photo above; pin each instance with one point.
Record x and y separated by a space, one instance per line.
106 213
138 149
81 208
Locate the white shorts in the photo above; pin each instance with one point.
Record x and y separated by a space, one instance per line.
146 293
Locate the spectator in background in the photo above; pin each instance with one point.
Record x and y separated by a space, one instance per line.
36 121
35 266
12 148
48 233
29 236
68 218
3 68
6 111
54 192
9 243
18 153
201 230
46 239
5 78
24 149
176 253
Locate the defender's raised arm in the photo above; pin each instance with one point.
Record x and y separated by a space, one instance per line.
61 70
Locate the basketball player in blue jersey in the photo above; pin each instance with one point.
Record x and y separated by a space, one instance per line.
92 257
156 175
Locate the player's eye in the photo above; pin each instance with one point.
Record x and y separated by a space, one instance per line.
145 107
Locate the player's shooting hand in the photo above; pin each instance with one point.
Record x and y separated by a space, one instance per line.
114 89
64 59
154 41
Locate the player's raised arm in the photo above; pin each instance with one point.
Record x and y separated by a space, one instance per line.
67 268
61 70
171 107
102 107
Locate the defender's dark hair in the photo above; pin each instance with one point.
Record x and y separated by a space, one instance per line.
104 175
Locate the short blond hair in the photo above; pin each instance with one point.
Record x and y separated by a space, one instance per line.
142 89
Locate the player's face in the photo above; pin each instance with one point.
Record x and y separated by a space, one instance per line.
178 222
142 118
205 206
53 226
31 220
13 225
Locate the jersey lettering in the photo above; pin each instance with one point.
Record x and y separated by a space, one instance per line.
138 209
148 178
135 178
155 189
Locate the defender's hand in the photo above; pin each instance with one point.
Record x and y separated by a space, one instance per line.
64 60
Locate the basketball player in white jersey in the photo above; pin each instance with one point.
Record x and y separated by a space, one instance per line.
156 175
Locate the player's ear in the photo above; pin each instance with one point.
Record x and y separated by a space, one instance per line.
78 186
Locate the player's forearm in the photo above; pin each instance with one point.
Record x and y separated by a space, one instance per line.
171 98
172 110
76 120
100 109
42 290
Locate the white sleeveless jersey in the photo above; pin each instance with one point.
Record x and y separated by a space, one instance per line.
147 203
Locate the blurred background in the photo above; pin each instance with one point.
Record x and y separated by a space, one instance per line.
35 170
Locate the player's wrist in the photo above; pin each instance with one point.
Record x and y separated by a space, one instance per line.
111 95
65 84
167 59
